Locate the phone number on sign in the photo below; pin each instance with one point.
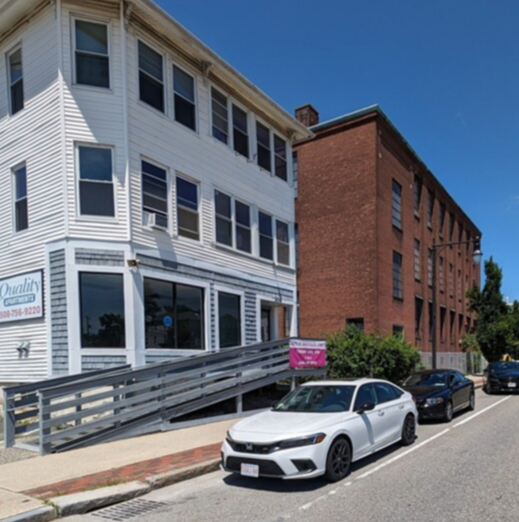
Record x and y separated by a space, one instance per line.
20 312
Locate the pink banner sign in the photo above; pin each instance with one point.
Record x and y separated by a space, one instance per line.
307 354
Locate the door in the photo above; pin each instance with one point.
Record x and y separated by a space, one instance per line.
372 425
266 325
393 407
460 392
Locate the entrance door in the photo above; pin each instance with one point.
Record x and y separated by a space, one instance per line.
266 325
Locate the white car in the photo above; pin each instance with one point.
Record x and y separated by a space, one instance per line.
320 428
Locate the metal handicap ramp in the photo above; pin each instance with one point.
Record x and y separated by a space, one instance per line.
76 411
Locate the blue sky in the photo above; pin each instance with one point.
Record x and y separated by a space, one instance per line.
445 72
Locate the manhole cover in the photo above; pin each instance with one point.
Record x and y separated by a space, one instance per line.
129 509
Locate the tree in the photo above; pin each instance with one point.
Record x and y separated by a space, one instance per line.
495 321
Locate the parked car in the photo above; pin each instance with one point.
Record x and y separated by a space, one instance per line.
440 393
502 376
320 428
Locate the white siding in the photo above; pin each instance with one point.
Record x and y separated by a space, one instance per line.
31 136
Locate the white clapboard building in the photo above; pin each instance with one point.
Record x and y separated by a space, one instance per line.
146 190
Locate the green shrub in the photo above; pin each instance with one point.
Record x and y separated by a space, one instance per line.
353 353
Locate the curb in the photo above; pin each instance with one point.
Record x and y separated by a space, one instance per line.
42 514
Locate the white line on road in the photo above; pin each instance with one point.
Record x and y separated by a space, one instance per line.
480 412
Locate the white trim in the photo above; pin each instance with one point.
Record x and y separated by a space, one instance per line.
73 65
73 311
233 291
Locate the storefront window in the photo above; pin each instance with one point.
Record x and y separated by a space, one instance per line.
102 310
173 315
229 317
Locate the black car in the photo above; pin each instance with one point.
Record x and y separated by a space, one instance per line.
502 376
440 393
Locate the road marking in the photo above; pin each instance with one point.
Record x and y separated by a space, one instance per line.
480 412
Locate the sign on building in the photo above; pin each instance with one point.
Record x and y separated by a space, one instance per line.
307 353
21 297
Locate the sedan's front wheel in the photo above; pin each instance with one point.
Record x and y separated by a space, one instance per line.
408 431
472 401
448 412
338 460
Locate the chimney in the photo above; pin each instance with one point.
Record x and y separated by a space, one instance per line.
307 115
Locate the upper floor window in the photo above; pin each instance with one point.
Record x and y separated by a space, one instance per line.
240 134
155 193
21 217
242 226
441 219
264 151
187 209
430 208
233 222
417 268
396 205
96 187
417 193
282 243
429 267
266 249
397 276
184 94
280 152
220 116
451 226
15 80
91 53
223 215
151 77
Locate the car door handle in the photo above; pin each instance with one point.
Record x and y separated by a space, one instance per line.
401 407
381 413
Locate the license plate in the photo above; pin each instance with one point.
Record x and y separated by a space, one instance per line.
512 384
250 470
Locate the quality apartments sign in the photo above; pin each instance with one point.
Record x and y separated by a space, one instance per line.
21 297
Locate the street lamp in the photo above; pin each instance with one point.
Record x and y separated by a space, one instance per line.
477 256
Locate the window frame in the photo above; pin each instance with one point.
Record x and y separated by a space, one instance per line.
430 208
94 217
168 192
272 237
8 54
417 260
183 177
153 47
417 194
99 21
276 156
277 240
396 204
175 64
257 122
398 282
229 116
14 170
232 291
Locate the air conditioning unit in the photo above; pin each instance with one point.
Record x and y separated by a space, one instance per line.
151 221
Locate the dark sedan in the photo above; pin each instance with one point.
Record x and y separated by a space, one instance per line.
502 376
440 393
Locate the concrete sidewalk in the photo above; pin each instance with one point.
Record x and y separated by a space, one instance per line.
42 488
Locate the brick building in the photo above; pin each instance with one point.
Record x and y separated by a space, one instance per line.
367 211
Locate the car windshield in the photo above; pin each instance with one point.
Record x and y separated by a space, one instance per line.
427 379
504 366
317 399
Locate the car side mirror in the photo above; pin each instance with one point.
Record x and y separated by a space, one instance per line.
366 406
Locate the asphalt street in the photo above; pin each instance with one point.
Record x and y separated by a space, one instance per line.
467 470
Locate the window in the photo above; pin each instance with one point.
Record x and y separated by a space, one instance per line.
398 329
173 315
459 285
417 194
266 250
440 275
243 226
451 226
430 208
240 132
468 237
96 188
452 325
460 236
102 310
451 280
460 326
220 116
91 53
441 219
263 139
357 322
295 173
15 80
280 155
282 243
443 316
417 260
429 266
431 311
184 95
151 77
229 320
397 275
187 209
223 216
155 193
21 217
366 394
396 205
418 308
385 392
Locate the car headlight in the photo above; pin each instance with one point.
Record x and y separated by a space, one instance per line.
301 441
433 402
228 438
